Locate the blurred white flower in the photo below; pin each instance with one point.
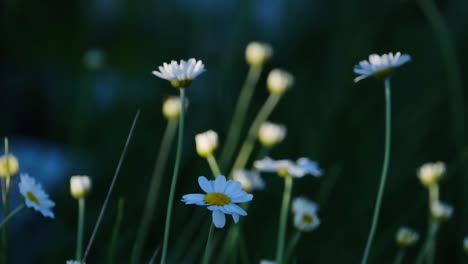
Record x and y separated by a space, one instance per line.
8 166
441 211
206 143
430 173
380 66
80 186
465 244
271 134
257 53
302 203
306 220
220 198
298 169
180 75
406 237
73 262
250 180
279 81
172 107
35 197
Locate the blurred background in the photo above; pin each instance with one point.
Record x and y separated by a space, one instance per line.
74 73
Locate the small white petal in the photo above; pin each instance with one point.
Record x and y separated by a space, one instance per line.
205 184
220 184
219 219
235 217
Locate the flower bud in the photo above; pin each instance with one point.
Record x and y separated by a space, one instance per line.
279 81
206 143
441 211
430 173
172 107
257 53
80 186
8 166
406 237
271 134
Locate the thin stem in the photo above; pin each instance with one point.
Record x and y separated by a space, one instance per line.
288 183
292 244
116 231
206 255
111 187
433 198
79 236
152 196
13 213
248 145
399 256
427 244
5 201
155 254
240 113
170 203
213 166
383 177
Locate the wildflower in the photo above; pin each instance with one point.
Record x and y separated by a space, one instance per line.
35 197
406 237
8 166
430 173
266 261
257 53
271 134
206 143
306 220
80 185
172 107
441 211
220 198
465 244
250 180
73 262
180 75
298 169
380 66
279 81
303 204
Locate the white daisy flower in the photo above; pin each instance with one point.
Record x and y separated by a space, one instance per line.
266 261
220 198
406 236
302 203
180 75
271 134
430 173
250 180
441 211
306 220
206 143
35 197
380 66
298 169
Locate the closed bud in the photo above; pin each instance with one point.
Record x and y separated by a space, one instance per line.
80 186
279 81
172 107
8 166
271 134
257 53
206 143
430 173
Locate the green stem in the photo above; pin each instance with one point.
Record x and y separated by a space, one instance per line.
249 143
378 203
428 243
433 198
79 236
152 196
288 183
240 113
170 203
206 255
13 213
292 244
5 201
399 256
115 232
213 166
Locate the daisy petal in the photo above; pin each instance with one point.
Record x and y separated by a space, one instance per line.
219 219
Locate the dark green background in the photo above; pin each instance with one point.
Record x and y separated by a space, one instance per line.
51 103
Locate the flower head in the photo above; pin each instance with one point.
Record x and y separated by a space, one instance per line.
406 237
298 169
171 107
220 198
80 186
250 180
206 143
380 66
271 134
305 214
430 173
279 81
8 166
465 244
441 211
266 261
35 197
180 75
303 204
257 53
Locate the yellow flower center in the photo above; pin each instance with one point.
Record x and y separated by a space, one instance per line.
181 83
283 171
383 72
306 218
216 198
32 197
